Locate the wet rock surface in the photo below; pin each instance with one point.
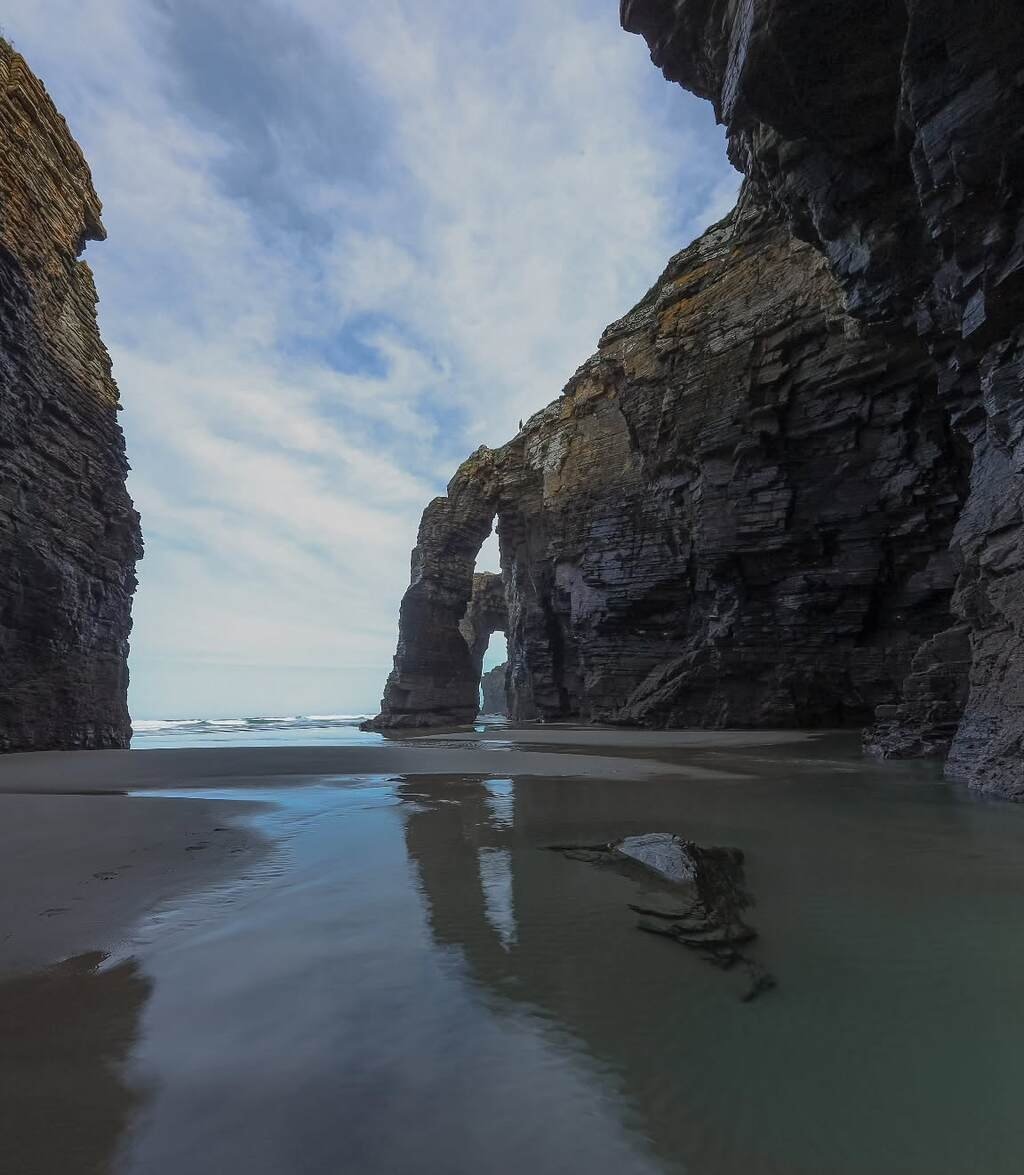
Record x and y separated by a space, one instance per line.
703 899
69 537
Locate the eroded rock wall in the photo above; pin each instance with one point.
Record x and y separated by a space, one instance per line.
889 134
737 513
69 537
486 613
492 687
436 677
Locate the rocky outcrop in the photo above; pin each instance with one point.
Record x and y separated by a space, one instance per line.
703 900
494 700
486 613
738 513
69 536
888 133
436 678
787 489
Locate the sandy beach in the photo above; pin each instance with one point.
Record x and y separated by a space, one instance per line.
220 959
81 860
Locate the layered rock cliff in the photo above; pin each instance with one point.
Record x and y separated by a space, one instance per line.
889 134
69 537
492 688
738 512
787 489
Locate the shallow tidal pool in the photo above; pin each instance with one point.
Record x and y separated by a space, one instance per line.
412 982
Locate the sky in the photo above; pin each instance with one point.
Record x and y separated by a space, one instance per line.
348 244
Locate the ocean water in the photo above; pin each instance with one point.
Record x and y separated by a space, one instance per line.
412 983
301 730
296 730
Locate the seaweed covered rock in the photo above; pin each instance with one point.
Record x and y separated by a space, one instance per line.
702 900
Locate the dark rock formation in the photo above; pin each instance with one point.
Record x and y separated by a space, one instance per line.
704 899
492 687
889 134
787 490
69 537
436 678
738 512
486 613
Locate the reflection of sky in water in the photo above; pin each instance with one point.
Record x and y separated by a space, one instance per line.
308 1021
411 984
501 802
496 878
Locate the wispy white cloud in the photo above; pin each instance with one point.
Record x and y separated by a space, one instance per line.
348 243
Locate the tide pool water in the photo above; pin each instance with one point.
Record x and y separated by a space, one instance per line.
414 983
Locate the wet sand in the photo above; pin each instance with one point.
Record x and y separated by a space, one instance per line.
394 944
77 872
66 1035
81 860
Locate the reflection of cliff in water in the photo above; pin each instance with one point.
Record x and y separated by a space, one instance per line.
538 930
65 1035
857 883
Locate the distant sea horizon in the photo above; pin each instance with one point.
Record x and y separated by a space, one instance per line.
257 731
295 730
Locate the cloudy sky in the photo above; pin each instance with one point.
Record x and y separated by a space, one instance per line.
348 243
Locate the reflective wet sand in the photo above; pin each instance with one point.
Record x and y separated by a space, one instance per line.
411 982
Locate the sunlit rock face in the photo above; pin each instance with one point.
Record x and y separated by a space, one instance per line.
69 537
888 133
737 513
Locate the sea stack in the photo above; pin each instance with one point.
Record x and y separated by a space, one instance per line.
69 536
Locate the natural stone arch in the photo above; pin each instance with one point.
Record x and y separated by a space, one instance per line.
486 614
436 675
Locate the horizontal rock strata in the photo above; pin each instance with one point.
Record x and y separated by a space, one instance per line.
494 699
738 513
889 134
69 537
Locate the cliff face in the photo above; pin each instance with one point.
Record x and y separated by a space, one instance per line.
69 537
889 135
492 686
787 489
738 512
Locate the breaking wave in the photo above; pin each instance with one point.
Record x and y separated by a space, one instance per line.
296 728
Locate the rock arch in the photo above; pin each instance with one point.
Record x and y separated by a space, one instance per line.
436 676
486 614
